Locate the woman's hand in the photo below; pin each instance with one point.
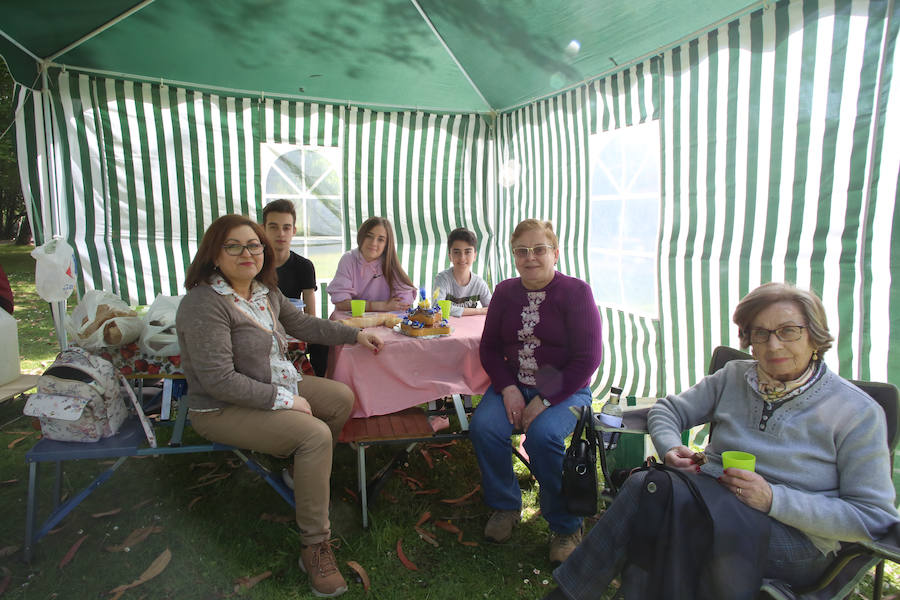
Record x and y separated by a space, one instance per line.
394 304
370 341
532 410
682 458
749 487
514 402
301 405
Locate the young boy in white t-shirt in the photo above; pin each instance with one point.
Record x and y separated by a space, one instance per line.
459 284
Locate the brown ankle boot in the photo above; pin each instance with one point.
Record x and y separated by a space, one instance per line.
318 561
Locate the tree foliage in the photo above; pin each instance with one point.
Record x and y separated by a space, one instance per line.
13 221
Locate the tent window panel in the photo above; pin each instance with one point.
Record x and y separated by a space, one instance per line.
310 178
624 222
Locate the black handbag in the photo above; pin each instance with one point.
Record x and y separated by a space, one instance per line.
579 477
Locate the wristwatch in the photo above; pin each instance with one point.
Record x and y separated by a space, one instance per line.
546 402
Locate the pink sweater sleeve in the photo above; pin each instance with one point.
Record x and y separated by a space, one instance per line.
343 285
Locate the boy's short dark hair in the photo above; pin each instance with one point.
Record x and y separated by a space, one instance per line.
461 234
280 206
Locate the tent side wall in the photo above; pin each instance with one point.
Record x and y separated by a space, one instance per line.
769 173
143 169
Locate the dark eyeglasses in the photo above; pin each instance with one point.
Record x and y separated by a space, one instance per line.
788 333
524 251
238 249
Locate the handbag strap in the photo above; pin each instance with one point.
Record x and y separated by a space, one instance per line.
580 425
588 417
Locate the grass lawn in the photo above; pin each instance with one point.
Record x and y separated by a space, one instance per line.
220 532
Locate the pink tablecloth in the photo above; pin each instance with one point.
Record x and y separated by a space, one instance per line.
409 371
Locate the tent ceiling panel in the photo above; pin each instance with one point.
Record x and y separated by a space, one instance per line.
380 54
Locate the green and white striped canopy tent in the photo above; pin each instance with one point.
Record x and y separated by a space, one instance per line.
139 124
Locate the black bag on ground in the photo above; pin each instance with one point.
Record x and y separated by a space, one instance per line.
579 477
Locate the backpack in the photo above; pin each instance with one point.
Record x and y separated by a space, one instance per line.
78 398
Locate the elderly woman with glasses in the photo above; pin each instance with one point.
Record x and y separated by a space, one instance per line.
242 390
541 345
822 474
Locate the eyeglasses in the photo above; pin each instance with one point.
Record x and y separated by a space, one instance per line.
788 333
238 249
524 251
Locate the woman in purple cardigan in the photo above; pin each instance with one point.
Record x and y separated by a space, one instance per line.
540 347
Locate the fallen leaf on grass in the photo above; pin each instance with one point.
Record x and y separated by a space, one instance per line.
71 553
431 491
19 432
194 501
352 493
464 497
9 482
443 445
206 476
158 565
427 536
425 516
276 518
390 497
363 576
8 551
210 481
447 526
444 452
406 562
107 513
460 540
134 538
427 458
15 441
142 504
242 584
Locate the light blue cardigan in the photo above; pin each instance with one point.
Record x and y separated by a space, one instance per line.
824 452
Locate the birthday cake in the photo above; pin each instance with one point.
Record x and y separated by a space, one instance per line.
424 319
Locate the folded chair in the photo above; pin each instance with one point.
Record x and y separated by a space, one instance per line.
854 560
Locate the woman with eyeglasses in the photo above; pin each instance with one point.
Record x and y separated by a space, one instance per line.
822 474
541 345
372 272
243 391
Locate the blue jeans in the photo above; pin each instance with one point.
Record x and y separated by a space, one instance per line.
545 444
601 555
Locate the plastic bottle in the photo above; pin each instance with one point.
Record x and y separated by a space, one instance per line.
9 348
611 413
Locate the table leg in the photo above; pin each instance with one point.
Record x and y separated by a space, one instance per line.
165 410
460 412
361 476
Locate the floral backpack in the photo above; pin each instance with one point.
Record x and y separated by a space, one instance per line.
78 398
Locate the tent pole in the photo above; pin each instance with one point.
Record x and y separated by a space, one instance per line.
450 52
58 309
99 30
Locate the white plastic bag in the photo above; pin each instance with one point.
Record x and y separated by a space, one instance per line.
54 273
159 338
103 320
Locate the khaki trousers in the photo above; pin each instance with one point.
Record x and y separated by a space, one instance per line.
310 438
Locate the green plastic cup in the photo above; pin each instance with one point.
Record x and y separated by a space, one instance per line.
445 308
358 307
740 460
